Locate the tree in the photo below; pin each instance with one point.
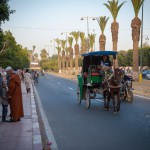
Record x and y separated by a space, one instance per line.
43 54
33 48
91 41
136 25
5 11
58 41
14 55
102 21
83 47
114 8
36 57
70 41
63 42
76 47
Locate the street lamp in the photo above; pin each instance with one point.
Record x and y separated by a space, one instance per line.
54 45
140 77
87 19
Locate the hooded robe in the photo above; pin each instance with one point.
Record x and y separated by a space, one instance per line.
14 91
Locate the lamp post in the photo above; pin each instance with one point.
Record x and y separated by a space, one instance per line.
53 45
87 19
140 77
94 40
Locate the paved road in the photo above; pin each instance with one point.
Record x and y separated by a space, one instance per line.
76 128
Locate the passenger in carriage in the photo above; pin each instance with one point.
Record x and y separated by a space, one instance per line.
105 66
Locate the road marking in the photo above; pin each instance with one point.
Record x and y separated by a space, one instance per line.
141 96
70 88
58 82
99 100
47 127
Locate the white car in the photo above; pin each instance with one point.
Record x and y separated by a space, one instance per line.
147 77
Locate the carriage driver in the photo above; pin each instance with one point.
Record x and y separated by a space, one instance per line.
105 66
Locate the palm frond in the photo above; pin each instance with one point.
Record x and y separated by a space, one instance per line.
113 7
82 37
58 41
63 42
75 35
92 39
58 49
102 21
137 5
70 41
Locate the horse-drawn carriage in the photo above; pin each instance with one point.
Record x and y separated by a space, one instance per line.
91 82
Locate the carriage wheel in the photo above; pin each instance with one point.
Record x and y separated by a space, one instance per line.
130 97
88 99
78 95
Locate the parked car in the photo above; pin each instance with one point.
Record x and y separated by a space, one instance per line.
147 77
145 72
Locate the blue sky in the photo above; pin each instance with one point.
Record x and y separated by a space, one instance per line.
37 22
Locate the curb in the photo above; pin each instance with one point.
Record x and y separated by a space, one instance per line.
51 142
37 140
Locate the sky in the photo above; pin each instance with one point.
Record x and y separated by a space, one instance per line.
39 22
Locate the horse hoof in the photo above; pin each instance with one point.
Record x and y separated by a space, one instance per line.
115 113
105 109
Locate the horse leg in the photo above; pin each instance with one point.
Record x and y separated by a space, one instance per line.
105 103
118 102
108 100
113 99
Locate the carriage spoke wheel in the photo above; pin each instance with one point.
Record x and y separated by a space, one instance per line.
130 97
78 95
88 99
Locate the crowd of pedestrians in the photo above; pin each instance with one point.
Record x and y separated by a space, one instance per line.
11 93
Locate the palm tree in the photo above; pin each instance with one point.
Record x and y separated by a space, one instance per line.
136 24
76 46
83 47
63 42
67 58
33 48
43 54
114 8
36 57
91 41
102 21
70 41
59 51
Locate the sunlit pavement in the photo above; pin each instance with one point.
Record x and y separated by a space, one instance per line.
24 134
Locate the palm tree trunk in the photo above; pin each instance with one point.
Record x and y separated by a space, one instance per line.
71 59
114 31
58 62
63 60
67 64
76 58
135 24
102 42
83 49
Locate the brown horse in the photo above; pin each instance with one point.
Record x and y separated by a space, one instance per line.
111 89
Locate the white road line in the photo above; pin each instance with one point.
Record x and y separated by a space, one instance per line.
70 88
99 100
47 127
142 96
58 82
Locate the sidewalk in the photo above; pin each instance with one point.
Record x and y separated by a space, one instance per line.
25 134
